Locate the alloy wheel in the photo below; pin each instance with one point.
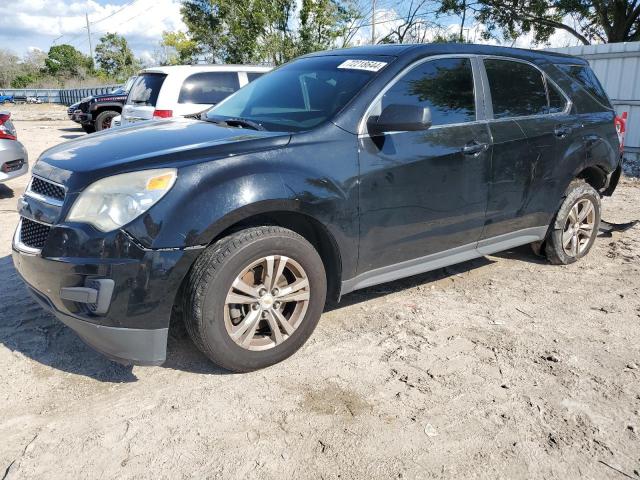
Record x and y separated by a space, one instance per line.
266 303
579 227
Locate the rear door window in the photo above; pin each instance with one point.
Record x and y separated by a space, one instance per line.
585 76
557 101
208 87
445 86
146 89
517 89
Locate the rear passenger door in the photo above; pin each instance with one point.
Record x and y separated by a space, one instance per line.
531 129
202 90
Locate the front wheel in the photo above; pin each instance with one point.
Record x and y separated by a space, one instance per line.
103 120
576 225
253 299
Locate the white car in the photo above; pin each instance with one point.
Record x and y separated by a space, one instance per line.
164 92
13 157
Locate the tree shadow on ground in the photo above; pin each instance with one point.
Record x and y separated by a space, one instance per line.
27 329
6 192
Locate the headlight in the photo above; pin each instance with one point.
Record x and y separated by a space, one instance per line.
112 202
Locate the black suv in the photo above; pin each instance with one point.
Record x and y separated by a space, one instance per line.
95 113
337 171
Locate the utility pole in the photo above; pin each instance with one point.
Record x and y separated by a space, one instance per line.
86 16
373 22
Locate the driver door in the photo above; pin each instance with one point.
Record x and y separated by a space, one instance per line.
423 194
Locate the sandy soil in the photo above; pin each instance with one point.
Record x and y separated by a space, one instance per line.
502 367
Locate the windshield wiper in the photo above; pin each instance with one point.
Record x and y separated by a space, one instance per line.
237 122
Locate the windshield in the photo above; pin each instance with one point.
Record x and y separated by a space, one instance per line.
302 94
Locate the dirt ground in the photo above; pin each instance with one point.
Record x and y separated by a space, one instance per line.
502 367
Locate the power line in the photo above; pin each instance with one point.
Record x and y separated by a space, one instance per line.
116 12
74 36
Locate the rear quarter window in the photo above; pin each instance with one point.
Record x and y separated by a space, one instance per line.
251 76
146 89
585 77
208 87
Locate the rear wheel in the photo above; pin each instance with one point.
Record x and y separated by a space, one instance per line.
576 225
253 299
103 120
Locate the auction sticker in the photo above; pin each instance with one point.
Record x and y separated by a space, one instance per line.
368 65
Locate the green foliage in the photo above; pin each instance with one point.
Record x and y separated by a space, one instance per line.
115 58
261 30
322 22
180 48
24 80
604 21
65 61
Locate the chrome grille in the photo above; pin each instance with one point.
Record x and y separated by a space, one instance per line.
33 234
47 189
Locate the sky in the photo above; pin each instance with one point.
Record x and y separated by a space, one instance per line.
29 24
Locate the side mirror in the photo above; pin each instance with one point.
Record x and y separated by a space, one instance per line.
400 118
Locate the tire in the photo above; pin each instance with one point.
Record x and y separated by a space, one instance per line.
88 128
578 197
212 319
103 120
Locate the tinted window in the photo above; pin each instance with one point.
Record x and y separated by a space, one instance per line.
251 76
208 87
585 76
517 89
444 86
302 94
146 88
557 101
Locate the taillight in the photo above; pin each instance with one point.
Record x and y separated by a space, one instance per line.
7 130
162 113
621 128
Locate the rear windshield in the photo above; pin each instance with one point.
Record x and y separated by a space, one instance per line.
208 87
302 94
145 90
585 76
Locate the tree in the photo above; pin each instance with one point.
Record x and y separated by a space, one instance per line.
8 67
115 58
587 20
262 30
64 61
414 24
179 48
322 23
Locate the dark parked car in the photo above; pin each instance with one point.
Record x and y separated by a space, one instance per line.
337 171
95 113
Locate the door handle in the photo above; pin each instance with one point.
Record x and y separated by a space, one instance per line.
474 148
562 131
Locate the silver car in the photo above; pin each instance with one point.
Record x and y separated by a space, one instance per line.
13 156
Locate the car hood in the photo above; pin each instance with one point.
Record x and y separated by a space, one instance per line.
175 143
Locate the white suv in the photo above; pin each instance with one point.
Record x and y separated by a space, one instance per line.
164 92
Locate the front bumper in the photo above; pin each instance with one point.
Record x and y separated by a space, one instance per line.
129 346
133 329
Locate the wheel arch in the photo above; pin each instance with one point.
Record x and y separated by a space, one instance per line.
312 229
284 214
594 175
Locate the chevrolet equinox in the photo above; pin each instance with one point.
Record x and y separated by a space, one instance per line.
337 171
